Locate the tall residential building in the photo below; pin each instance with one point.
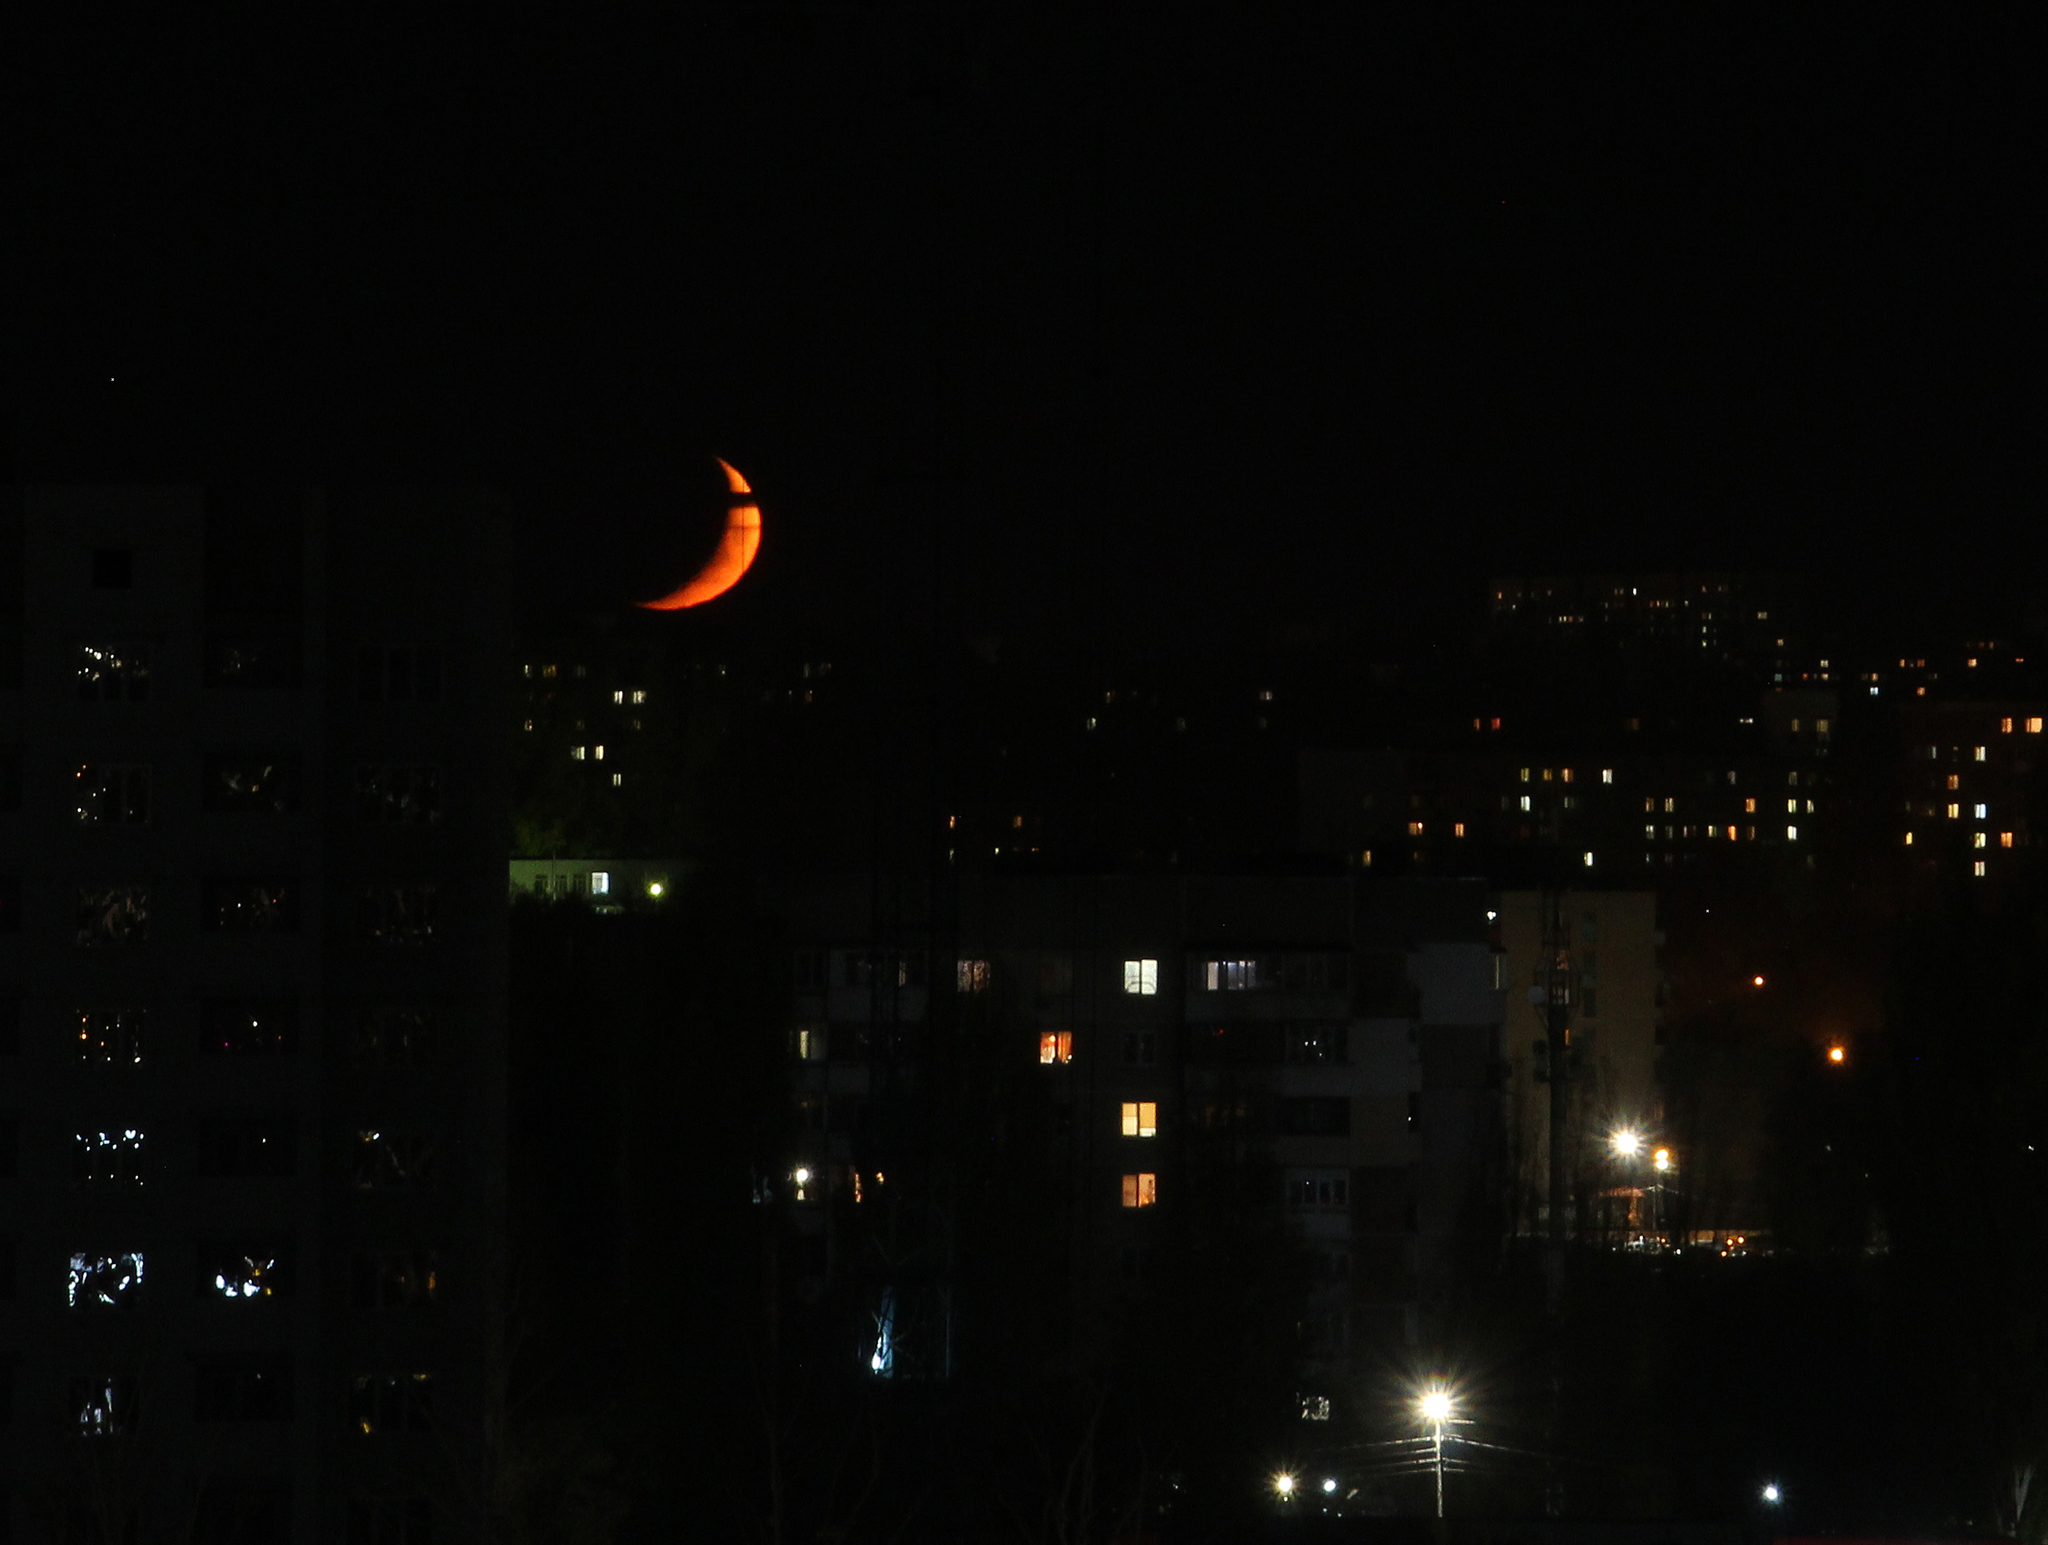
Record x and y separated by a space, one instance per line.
252 967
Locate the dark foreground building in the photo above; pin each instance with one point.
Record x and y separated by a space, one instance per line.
252 972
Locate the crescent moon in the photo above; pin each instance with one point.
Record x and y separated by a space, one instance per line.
734 554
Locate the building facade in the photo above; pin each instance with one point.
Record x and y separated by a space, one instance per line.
253 970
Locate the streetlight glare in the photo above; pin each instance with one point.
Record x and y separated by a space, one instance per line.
1759 981
1284 1484
1436 1405
1662 1158
1329 1485
1626 1143
1838 1054
1771 1492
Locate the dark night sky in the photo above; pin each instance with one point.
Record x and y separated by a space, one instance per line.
1199 323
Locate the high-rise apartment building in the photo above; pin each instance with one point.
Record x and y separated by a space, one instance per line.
252 855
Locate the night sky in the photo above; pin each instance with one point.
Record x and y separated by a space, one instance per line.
1151 331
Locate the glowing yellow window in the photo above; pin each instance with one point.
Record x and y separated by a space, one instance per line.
2005 839
1980 840
1978 868
1415 828
1141 1118
1055 1046
1458 829
2005 726
1954 812
1141 1190
2034 726
1909 839
1525 775
1955 781
1749 807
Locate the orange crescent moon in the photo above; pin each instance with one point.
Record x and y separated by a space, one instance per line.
735 552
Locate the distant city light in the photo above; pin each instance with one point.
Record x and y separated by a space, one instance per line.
1626 1143
1329 1485
1838 1054
1284 1484
1759 981
1771 1493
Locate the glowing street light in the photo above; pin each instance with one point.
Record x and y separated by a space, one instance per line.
1329 1485
1662 1159
1283 1483
1436 1410
1772 1494
1627 1143
1838 1054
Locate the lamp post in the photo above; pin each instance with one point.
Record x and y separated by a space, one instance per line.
1436 1410
1624 1143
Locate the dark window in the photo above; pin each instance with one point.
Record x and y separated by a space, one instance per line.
103 1405
10 1147
387 1161
7 1270
113 568
10 1027
1316 1116
244 1390
243 1515
398 674
255 549
396 914
391 1522
10 778
252 661
235 1147
396 1279
249 906
809 970
112 673
10 904
109 1158
402 1402
1414 1110
393 1035
257 782
1316 1045
846 1043
110 793
112 1037
113 915
1141 1048
258 1027
405 795
246 1271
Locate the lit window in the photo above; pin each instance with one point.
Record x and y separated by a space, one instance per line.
1055 1046
1231 975
1142 977
1365 859
1566 775
1731 834
1525 801
1650 832
576 753
1649 804
600 882
1546 775
598 752
618 780
1415 828
1670 805
2005 839
1607 775
1809 807
2034 726
1909 839
1981 839
1955 781
1140 1118
1525 775
1141 1190
1977 868
1820 725
1791 807
1979 754
971 976
1458 829
1791 834
529 726
1954 811
1749 807
1983 811
1795 726
104 1281
2005 726
1587 859
619 697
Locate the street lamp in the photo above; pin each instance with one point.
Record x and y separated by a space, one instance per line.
1436 1410
1283 1483
1772 1494
1627 1142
